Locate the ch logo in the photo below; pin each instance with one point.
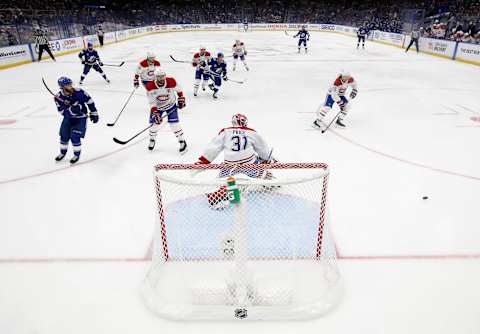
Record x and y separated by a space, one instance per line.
241 313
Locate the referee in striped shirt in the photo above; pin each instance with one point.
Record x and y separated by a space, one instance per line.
41 40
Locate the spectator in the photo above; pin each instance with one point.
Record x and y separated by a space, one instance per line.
11 38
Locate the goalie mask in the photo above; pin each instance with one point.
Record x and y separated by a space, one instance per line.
239 120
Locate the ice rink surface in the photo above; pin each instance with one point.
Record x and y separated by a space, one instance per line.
74 240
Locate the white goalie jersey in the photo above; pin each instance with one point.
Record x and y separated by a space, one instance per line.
239 144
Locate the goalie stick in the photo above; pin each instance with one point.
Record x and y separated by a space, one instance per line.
118 116
123 142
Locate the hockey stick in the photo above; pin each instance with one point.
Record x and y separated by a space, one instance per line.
123 142
178 61
118 116
218 75
286 33
54 96
115 65
331 122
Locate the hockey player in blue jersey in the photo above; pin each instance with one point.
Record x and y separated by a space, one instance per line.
72 104
90 58
362 32
303 36
217 72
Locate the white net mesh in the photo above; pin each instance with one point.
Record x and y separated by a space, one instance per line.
259 249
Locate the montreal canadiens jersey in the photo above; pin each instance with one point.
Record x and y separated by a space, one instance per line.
198 58
303 34
89 56
80 97
238 49
146 70
163 97
340 87
239 145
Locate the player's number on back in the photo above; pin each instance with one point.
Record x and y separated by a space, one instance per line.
239 143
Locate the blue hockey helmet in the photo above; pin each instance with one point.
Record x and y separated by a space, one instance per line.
64 81
89 45
220 54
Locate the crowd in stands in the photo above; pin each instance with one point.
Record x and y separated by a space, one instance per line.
456 20
459 21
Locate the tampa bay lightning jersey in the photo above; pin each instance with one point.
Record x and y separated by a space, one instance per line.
302 34
362 31
90 56
216 67
79 97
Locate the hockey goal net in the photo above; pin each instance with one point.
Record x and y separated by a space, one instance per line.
248 241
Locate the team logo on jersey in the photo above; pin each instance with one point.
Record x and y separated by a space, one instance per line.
241 313
163 98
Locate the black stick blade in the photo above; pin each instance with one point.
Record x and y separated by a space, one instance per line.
110 124
118 141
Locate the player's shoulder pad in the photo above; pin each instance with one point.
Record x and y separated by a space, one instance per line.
144 63
338 81
171 82
196 55
207 54
150 86
351 80
156 63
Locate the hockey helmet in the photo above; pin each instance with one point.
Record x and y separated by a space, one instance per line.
220 55
150 55
239 120
159 73
89 45
344 74
64 81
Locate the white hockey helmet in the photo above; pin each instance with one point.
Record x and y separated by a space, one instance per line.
344 74
203 47
159 73
239 120
150 55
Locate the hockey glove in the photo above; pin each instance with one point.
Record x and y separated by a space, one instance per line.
245 53
94 116
224 77
136 83
155 117
341 103
181 102
100 63
83 62
353 94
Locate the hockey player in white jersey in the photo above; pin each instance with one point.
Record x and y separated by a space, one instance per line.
240 145
239 51
336 94
165 98
145 71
